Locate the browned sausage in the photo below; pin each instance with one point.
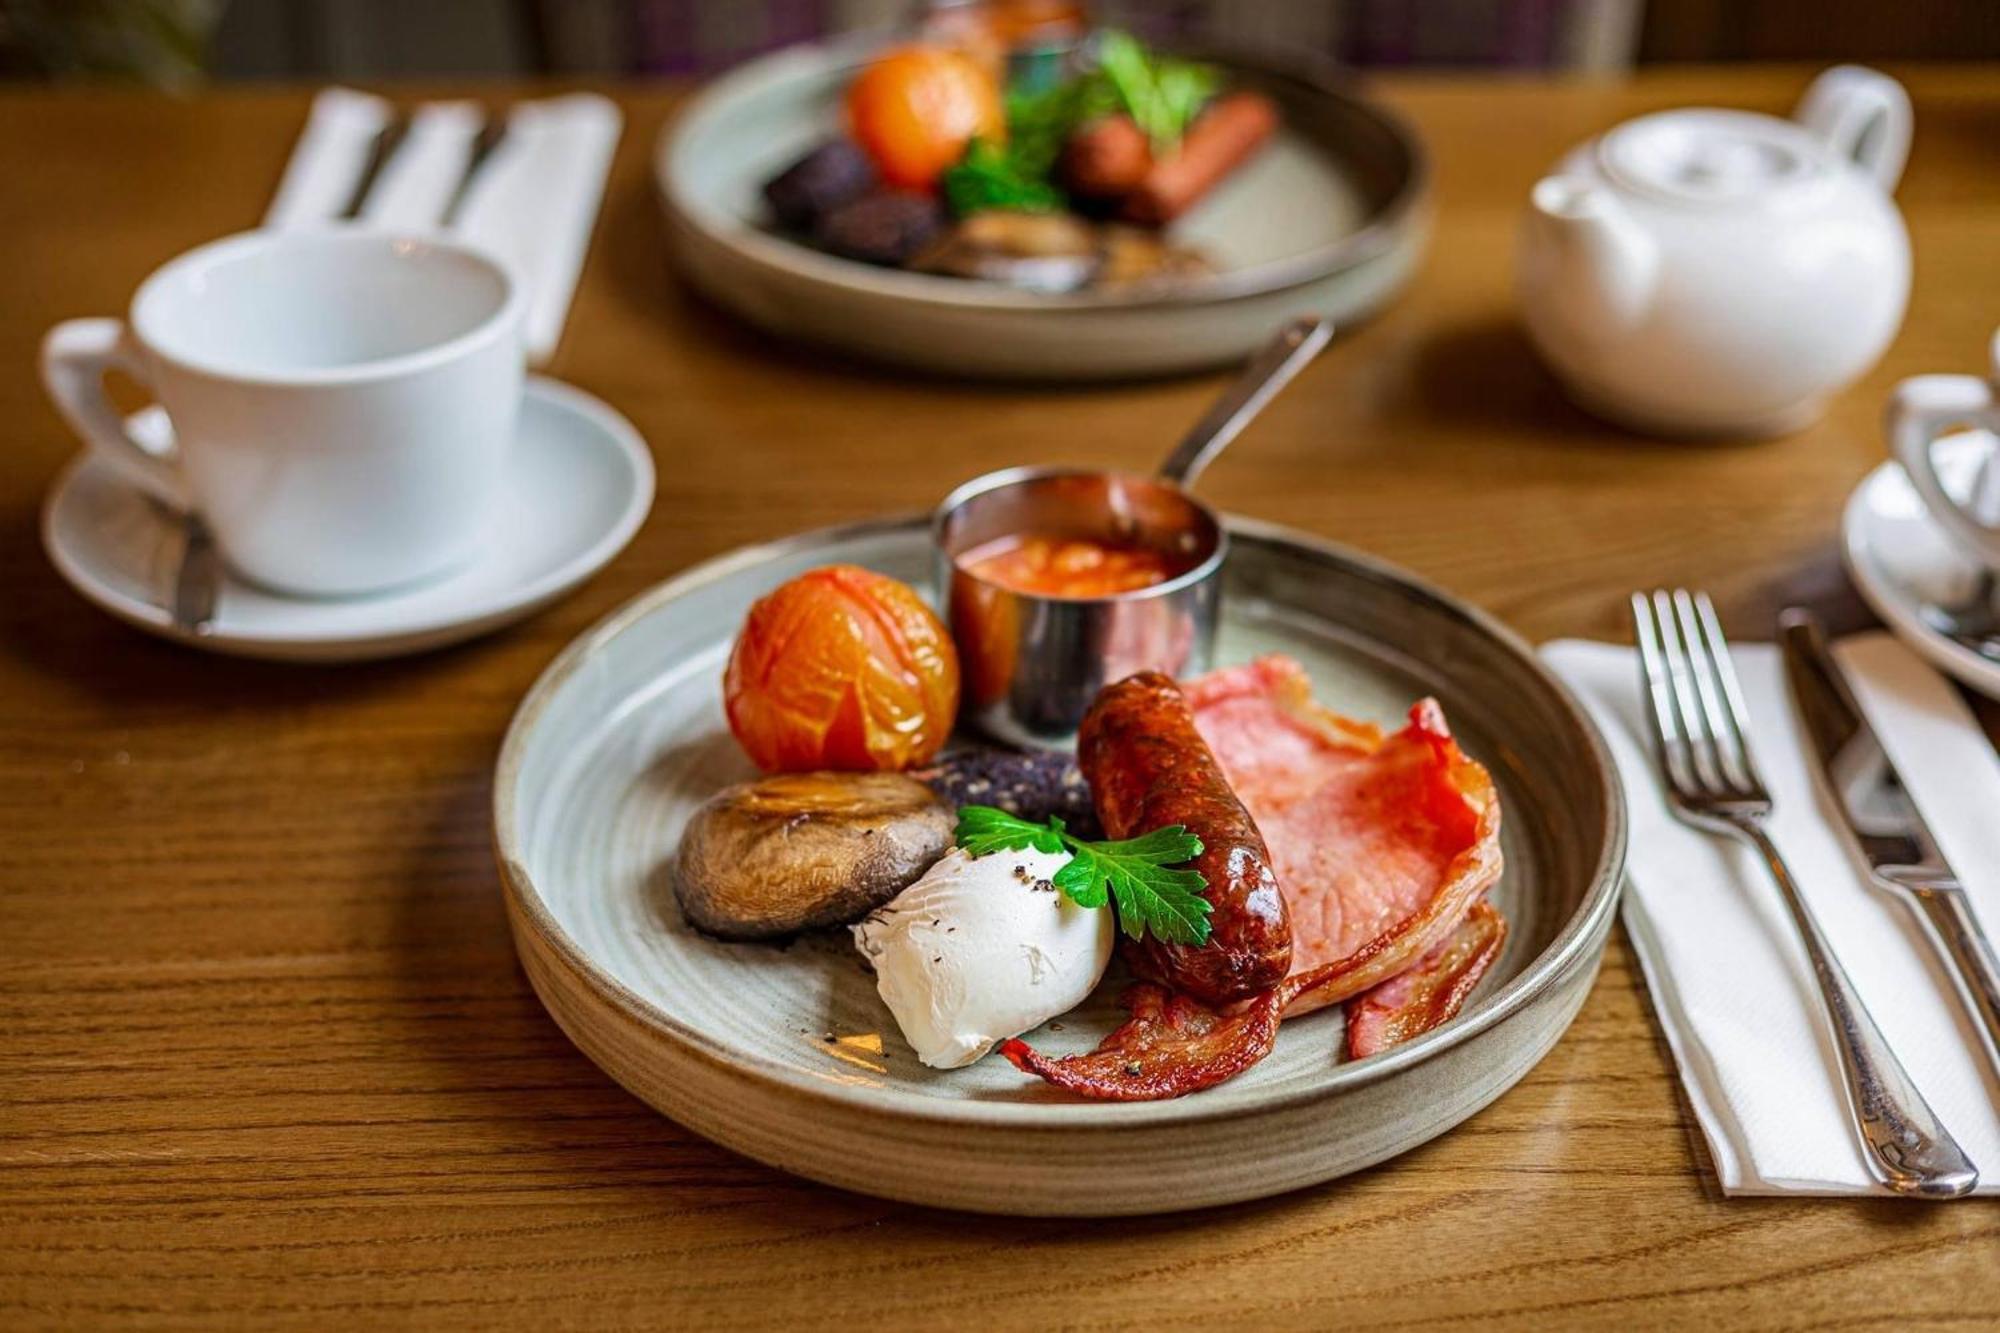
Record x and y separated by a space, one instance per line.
1222 138
1106 159
1148 767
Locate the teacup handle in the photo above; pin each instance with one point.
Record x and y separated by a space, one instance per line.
76 354
1862 116
1920 410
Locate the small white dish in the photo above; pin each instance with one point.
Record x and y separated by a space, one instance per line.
580 483
1900 558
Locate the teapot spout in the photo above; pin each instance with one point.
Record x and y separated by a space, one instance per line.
1588 264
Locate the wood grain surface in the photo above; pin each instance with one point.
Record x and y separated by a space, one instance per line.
266 1057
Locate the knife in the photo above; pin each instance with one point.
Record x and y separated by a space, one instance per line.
491 135
1885 825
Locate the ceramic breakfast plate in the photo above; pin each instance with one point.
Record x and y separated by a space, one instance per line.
1329 221
1900 558
582 484
787 1054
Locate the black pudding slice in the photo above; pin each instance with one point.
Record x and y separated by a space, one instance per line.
881 227
1032 785
833 174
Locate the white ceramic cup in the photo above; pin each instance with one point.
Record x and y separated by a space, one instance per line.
343 402
1927 407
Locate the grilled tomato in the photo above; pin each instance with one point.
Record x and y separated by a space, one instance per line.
841 668
916 108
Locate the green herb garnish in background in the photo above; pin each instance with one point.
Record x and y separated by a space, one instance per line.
990 176
1020 173
1138 874
1163 95
1039 123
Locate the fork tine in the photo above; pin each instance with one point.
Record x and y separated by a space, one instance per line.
1708 656
1687 696
1732 688
1669 743
1736 717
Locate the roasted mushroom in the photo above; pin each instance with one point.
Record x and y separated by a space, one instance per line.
766 859
1133 256
1038 252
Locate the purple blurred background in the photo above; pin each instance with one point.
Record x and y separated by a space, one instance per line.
179 43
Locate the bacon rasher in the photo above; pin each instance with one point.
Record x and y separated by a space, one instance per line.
1170 1046
1382 844
1418 1000
1385 846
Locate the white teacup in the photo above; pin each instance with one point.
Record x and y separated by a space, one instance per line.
343 402
1927 407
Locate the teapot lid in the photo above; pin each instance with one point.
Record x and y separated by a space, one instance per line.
1710 157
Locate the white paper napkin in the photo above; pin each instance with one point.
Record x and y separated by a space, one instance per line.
418 181
1727 974
532 204
329 158
535 203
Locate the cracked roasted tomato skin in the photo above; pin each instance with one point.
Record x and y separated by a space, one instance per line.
841 668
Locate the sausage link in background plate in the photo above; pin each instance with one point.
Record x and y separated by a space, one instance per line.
1222 138
1111 163
1149 768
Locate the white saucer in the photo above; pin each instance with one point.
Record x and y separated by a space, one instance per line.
1900 558
582 484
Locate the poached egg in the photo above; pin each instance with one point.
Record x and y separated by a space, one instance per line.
981 949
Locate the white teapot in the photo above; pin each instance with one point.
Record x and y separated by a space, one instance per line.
1703 272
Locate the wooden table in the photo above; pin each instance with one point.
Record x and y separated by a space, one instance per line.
265 1055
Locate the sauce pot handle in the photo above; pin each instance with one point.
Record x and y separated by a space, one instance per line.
1269 371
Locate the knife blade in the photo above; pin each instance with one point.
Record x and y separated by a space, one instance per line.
1885 826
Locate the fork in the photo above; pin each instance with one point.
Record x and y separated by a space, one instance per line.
1701 742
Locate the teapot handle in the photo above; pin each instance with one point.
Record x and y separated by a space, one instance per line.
1862 116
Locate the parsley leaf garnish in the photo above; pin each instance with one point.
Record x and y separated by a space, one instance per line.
1147 877
983 829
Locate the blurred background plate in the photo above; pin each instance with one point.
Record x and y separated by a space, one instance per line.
787 1054
1330 220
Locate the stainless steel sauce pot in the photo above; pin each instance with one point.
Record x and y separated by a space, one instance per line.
1031 663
